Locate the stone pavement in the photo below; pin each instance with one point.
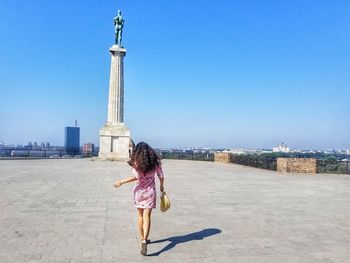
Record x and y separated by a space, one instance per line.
68 211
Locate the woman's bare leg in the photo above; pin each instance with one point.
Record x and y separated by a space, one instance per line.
140 221
146 222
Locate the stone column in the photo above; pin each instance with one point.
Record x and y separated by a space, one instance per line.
116 85
114 135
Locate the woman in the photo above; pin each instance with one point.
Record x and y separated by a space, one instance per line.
145 163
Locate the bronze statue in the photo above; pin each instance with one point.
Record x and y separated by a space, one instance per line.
118 28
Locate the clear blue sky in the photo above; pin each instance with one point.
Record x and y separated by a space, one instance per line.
197 73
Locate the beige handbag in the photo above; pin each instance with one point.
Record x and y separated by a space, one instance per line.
164 202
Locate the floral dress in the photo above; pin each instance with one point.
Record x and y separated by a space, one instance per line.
145 188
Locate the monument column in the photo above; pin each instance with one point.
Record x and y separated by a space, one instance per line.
116 85
114 135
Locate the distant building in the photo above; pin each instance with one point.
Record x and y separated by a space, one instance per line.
266 151
252 151
47 145
283 148
163 151
234 151
72 140
88 148
329 151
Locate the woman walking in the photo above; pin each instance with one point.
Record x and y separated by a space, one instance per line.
145 165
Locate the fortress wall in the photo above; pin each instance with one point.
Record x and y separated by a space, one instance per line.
223 157
296 165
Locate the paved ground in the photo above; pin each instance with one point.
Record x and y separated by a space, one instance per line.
68 211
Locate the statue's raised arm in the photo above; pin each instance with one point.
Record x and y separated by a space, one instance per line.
118 28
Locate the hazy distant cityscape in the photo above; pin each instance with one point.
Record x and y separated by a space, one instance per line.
72 148
87 149
327 160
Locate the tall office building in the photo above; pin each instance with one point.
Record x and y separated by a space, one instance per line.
72 140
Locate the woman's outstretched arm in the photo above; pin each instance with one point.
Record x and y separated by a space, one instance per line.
161 180
125 181
161 177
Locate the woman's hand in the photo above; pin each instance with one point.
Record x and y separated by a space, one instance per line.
118 183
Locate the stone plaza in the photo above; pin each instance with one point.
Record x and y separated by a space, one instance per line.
66 210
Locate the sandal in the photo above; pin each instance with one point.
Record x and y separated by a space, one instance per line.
144 247
148 241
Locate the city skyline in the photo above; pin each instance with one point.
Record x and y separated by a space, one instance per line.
282 147
251 76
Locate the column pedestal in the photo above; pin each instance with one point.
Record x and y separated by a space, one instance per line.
114 142
114 135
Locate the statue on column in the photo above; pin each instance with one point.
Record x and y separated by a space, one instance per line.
118 28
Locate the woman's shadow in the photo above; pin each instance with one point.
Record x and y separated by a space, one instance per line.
182 239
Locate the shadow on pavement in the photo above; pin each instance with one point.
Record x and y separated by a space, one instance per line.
182 239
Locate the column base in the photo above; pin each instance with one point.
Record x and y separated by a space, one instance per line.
115 142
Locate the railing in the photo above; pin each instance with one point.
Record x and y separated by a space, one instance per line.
265 161
257 161
333 166
188 156
25 153
253 160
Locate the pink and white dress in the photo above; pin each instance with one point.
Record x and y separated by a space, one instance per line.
145 188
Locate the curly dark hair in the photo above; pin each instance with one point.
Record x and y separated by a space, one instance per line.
144 158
